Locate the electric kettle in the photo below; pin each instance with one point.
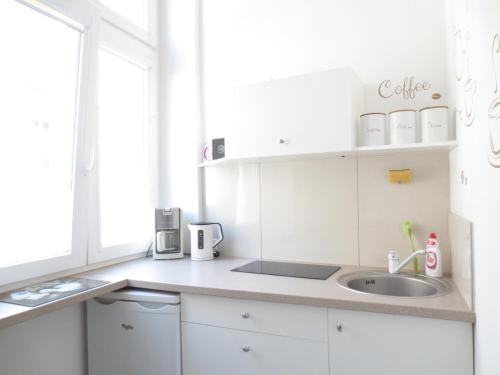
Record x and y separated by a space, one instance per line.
203 241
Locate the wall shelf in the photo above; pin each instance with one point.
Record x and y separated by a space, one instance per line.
367 151
412 147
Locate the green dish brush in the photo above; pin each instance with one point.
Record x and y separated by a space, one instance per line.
407 231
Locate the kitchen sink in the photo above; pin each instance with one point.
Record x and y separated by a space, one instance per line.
400 285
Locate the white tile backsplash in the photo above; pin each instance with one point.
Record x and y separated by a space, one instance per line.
233 199
308 210
383 207
461 256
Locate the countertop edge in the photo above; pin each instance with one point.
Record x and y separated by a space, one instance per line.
35 312
462 316
367 306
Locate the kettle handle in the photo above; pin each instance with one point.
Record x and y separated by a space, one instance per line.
221 235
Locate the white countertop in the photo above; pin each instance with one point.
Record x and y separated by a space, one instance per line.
215 278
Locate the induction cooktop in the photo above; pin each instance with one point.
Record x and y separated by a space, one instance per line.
306 271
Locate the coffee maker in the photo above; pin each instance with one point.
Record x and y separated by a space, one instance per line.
168 234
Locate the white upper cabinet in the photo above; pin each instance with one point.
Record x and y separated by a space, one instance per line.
307 114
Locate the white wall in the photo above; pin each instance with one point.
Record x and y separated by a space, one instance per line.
476 194
251 41
314 211
179 136
52 344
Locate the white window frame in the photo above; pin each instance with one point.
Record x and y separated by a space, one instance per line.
89 17
146 36
114 39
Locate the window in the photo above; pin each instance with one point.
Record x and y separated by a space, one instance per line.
125 102
137 18
77 99
123 177
38 95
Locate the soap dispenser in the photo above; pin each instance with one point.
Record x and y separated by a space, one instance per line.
434 260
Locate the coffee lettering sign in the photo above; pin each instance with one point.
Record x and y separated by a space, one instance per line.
407 88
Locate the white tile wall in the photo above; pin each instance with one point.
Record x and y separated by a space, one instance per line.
233 199
461 256
383 206
308 210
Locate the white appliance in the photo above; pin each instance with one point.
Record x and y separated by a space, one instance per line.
203 241
134 331
168 234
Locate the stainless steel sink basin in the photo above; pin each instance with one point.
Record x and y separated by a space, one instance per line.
400 285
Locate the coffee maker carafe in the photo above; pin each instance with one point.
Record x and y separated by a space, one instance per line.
168 234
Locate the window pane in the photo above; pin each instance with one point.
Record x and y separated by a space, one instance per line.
136 11
125 213
38 93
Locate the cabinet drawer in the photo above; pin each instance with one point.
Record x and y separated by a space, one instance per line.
307 322
222 351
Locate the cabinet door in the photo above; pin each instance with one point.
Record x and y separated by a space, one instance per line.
208 350
312 113
130 338
364 343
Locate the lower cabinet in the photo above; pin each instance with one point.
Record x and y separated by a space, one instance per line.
363 343
228 336
208 350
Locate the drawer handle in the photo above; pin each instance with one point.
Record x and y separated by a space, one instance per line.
245 315
339 327
245 348
127 327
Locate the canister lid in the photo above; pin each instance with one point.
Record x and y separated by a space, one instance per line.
436 106
372 113
403 110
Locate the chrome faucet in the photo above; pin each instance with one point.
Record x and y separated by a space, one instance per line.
395 266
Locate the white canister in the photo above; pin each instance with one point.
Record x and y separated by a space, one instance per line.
372 129
434 123
403 127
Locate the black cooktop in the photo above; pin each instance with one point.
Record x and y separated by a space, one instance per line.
306 271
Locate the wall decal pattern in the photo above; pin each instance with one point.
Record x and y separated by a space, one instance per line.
466 108
494 108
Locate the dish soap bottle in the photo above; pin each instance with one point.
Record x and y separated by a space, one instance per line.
434 260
